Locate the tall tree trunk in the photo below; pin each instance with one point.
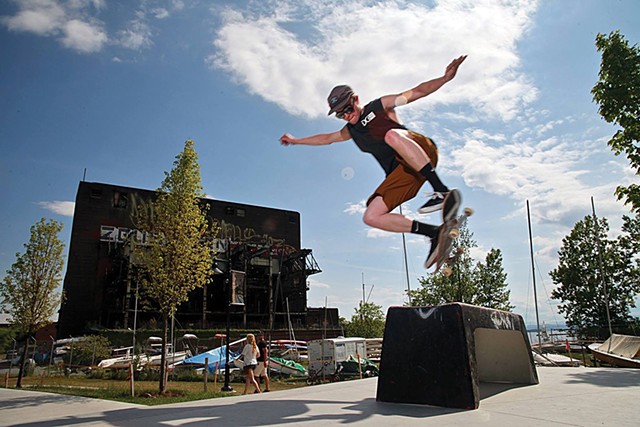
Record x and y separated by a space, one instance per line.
163 358
23 361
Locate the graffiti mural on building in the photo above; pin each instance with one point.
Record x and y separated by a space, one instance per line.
142 210
109 233
234 233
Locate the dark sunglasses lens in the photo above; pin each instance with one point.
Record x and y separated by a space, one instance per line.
346 110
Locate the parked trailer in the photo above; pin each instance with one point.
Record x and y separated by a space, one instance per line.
325 356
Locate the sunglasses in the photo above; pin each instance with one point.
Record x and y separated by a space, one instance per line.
346 110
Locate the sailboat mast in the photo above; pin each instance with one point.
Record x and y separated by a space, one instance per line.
604 282
363 293
533 271
406 265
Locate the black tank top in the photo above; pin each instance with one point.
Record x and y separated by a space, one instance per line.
369 132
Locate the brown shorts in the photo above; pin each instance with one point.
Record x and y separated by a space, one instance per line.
403 183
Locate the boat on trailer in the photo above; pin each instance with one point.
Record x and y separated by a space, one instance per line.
619 350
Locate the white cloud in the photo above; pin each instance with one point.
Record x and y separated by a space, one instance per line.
177 4
83 36
317 284
356 208
76 23
70 22
160 13
42 17
59 207
136 36
85 4
302 49
139 33
375 233
554 173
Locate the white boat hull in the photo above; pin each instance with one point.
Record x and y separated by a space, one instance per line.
144 361
613 359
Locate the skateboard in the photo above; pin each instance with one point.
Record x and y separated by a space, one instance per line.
450 232
450 207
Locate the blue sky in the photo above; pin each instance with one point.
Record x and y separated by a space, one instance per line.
117 87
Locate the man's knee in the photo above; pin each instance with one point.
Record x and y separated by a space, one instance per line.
394 137
369 218
372 216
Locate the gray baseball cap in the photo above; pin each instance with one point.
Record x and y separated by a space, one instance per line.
339 98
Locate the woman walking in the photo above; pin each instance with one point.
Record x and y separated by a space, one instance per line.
250 358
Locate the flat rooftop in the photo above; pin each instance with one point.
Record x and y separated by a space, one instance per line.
565 396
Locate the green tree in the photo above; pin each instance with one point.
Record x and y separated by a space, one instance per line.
482 284
366 322
617 93
437 288
629 243
29 290
7 337
491 283
178 257
91 350
587 261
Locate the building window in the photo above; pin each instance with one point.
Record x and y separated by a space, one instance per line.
230 210
120 200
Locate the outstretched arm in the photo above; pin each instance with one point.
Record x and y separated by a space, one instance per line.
424 88
319 139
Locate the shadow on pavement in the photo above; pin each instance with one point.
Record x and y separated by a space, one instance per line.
249 413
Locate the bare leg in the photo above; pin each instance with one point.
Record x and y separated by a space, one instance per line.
377 215
267 385
246 383
417 159
255 383
407 148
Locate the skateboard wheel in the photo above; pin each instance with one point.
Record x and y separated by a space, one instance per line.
468 211
454 233
447 271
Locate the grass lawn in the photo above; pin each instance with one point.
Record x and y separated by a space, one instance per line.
146 392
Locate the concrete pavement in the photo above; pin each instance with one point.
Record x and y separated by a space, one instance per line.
565 396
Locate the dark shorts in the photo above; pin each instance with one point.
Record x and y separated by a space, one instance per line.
403 183
247 368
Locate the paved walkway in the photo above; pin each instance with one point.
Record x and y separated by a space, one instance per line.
565 396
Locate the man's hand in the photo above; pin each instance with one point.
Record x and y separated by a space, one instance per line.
452 68
286 139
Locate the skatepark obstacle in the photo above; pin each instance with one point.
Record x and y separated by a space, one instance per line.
438 355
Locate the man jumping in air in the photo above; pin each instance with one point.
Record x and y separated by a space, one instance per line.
408 158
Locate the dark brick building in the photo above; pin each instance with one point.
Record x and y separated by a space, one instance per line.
259 256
